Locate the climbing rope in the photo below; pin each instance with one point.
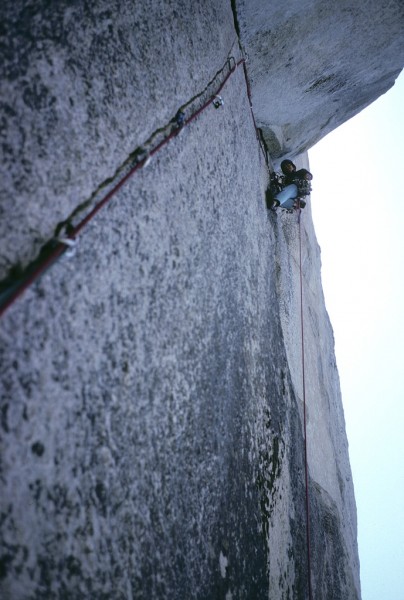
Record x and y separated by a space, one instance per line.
306 466
17 283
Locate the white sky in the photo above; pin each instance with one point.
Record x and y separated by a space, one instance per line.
358 213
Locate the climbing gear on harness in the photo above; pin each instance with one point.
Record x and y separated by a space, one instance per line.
303 186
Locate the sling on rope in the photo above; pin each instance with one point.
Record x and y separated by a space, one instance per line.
306 466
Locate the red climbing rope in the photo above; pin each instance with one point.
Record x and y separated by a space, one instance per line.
306 466
142 163
58 247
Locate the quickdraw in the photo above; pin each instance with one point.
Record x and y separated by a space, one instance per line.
217 101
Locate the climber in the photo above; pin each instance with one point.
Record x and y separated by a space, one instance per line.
297 184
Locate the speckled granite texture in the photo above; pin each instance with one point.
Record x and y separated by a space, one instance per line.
151 404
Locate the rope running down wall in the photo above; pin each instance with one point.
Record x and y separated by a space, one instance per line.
306 465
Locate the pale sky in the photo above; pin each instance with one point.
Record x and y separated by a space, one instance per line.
358 213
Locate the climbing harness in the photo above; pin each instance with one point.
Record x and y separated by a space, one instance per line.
306 466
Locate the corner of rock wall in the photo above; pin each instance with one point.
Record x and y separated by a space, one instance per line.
333 523
313 65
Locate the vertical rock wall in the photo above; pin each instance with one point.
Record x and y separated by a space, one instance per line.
151 405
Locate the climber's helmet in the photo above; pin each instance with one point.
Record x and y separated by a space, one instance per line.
287 167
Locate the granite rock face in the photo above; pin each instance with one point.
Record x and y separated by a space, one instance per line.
152 441
315 64
86 83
